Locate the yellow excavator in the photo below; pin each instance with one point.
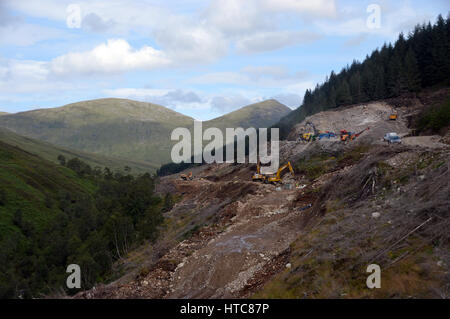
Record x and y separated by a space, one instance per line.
277 178
186 177
258 176
306 137
273 178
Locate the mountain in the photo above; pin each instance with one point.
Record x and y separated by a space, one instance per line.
258 115
3 113
51 152
114 127
136 131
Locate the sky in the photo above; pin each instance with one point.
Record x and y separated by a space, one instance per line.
200 58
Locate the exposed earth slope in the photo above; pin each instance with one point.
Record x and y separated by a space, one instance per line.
349 205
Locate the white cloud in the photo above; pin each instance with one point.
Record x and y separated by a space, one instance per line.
113 57
24 34
236 17
273 40
317 8
395 18
229 103
187 42
261 76
198 36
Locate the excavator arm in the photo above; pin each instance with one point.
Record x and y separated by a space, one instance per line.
277 178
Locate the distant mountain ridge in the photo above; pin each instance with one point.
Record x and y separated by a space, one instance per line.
258 115
128 129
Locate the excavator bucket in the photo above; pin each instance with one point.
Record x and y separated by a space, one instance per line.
186 177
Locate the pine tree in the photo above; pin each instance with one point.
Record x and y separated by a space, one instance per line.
368 83
412 73
355 87
332 97
343 94
396 79
380 83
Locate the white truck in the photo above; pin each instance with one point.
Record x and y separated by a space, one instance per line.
392 138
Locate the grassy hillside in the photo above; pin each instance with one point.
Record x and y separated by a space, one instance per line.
52 216
51 152
113 127
258 115
132 130
29 191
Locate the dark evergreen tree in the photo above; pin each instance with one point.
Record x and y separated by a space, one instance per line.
343 94
412 73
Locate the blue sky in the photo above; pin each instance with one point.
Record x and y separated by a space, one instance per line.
201 58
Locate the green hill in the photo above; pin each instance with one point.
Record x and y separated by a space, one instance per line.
113 127
51 152
136 131
258 115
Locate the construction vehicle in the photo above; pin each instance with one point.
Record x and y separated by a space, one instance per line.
277 178
353 136
306 137
393 115
326 134
346 135
311 136
187 177
258 176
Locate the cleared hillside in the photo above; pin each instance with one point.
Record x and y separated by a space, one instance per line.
51 152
